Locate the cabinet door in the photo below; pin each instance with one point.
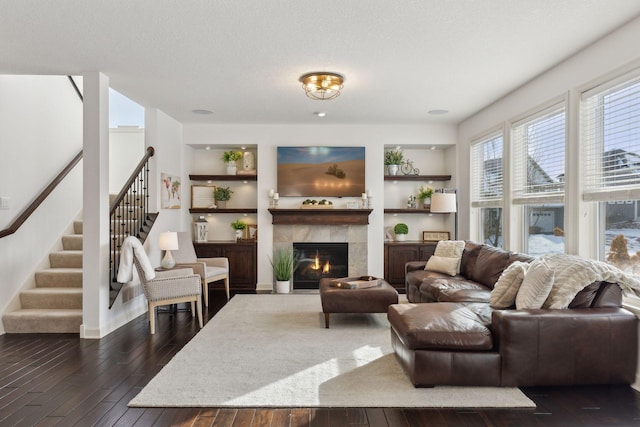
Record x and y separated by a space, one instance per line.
397 257
243 265
209 250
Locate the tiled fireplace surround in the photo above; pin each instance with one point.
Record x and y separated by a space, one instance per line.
355 235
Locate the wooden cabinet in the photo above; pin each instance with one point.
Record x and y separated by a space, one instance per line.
397 254
243 262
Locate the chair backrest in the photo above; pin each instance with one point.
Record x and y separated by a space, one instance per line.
141 276
186 252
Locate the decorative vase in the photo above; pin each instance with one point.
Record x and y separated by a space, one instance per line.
401 237
282 286
393 169
221 204
232 168
248 161
239 234
426 203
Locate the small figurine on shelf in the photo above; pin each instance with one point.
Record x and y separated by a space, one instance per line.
411 203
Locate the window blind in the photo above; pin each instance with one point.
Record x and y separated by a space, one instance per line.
610 138
538 153
486 172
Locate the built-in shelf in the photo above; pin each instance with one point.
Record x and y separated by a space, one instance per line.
223 177
417 177
409 211
223 211
320 216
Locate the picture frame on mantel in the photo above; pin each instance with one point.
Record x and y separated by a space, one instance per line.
435 236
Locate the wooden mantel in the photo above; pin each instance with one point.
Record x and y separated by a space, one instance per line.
320 216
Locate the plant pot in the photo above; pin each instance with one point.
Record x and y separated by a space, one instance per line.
393 169
232 168
401 237
221 204
239 234
282 286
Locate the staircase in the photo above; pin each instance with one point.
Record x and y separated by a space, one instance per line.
55 304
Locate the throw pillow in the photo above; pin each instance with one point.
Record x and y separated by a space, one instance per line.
442 264
506 288
536 285
450 249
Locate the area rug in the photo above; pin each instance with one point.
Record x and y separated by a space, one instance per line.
273 351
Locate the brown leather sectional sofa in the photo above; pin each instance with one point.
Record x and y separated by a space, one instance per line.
450 335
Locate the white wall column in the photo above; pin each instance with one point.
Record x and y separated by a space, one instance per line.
95 259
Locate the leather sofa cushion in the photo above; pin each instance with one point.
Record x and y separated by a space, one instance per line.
469 257
433 287
446 326
416 278
489 265
464 295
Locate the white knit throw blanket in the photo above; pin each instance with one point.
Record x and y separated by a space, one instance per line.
132 247
574 273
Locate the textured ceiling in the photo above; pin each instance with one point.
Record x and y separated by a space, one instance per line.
242 59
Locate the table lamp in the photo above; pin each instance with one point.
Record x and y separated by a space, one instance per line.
442 202
168 242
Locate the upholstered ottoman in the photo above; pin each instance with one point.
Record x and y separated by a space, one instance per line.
445 343
368 300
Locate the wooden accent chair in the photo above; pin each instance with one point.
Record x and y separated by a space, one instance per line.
209 269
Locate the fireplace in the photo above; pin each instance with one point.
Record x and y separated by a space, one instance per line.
319 260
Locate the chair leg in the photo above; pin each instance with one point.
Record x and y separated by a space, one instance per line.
226 286
199 308
152 318
205 291
193 308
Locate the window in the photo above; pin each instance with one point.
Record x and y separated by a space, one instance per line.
610 138
538 153
486 188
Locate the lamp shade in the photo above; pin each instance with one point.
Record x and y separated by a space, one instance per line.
443 203
168 241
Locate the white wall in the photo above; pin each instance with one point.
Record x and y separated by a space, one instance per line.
40 132
126 148
618 49
268 137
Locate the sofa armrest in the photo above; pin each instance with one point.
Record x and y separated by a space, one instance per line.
414 265
562 347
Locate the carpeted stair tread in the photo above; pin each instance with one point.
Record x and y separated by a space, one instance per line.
43 321
77 227
59 278
72 242
63 259
51 298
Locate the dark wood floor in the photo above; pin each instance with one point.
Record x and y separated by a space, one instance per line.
48 379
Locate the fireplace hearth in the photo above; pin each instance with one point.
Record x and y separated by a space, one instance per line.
318 261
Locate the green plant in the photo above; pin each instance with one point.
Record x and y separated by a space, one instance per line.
284 263
393 157
222 194
401 229
238 225
424 193
231 156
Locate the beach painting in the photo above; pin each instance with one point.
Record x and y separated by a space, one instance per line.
321 171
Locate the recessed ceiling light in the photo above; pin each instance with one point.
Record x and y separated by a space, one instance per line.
243 148
207 148
433 147
320 113
437 112
201 111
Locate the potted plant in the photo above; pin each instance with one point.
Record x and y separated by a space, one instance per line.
284 263
392 160
230 157
222 196
424 195
239 226
401 230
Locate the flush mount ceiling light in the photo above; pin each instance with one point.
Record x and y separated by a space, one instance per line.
322 86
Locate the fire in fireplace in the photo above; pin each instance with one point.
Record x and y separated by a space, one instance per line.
319 260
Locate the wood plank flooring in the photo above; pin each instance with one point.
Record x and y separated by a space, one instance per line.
48 379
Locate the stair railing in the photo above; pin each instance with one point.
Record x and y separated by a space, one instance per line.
26 213
129 216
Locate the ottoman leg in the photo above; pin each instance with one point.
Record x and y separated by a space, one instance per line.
326 320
